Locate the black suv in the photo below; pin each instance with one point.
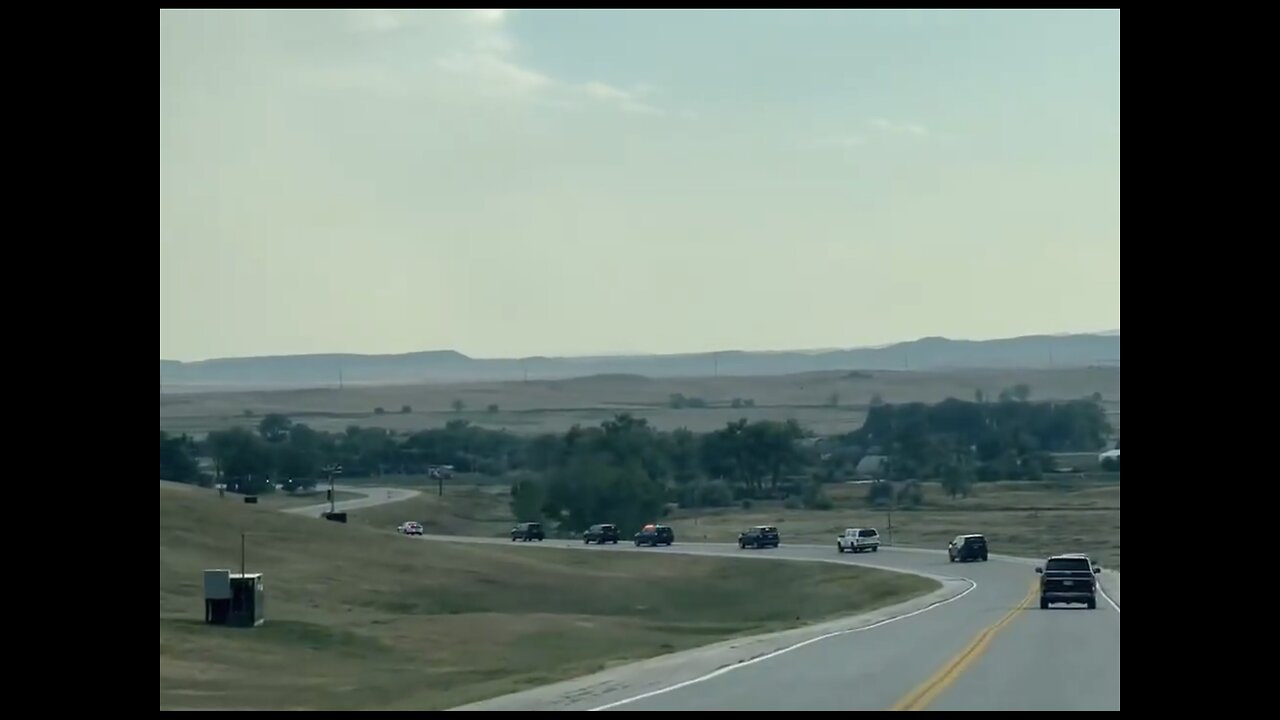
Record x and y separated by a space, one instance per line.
653 535
1069 579
528 531
601 534
967 547
760 536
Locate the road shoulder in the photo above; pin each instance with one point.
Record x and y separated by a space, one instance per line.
646 676
1110 582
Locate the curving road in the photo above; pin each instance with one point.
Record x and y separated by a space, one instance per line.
373 496
980 643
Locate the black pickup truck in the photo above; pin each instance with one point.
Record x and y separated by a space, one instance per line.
1069 579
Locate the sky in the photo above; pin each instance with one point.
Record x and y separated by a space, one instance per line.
515 183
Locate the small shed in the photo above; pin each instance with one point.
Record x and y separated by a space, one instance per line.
872 466
234 599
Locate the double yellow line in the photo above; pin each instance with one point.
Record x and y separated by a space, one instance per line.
928 691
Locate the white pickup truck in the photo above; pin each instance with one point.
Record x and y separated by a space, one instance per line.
857 540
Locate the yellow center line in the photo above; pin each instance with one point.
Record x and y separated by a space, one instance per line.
928 691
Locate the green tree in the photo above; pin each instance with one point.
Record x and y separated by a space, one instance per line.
590 489
815 498
176 459
528 496
880 494
957 478
274 427
240 454
682 451
910 495
707 493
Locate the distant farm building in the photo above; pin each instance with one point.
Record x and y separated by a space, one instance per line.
872 466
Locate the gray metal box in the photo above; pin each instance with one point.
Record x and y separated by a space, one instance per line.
217 584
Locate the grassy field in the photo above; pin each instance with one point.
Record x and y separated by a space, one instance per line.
481 511
1019 518
362 619
554 406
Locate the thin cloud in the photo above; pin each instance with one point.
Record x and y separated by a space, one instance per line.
488 16
884 125
849 141
879 128
478 57
491 73
846 142
627 101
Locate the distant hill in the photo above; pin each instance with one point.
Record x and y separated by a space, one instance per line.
448 366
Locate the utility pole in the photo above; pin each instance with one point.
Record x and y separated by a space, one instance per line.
241 553
332 470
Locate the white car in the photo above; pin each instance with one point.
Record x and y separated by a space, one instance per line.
410 528
857 540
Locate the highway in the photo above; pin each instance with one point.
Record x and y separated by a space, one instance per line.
980 643
372 498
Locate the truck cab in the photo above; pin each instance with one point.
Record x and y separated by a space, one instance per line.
857 540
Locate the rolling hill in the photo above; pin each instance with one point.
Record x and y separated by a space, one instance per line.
448 366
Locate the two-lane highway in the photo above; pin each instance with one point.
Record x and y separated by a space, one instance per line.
373 496
993 649
1066 657
989 648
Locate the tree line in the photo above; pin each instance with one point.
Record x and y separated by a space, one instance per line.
626 471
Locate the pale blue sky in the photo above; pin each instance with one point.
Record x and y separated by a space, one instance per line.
563 182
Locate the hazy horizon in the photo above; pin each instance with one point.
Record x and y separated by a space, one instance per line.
571 183
641 353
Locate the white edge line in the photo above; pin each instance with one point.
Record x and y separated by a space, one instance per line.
1007 558
730 668
1107 597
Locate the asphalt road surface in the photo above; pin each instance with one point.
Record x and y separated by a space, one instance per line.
987 647
372 498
